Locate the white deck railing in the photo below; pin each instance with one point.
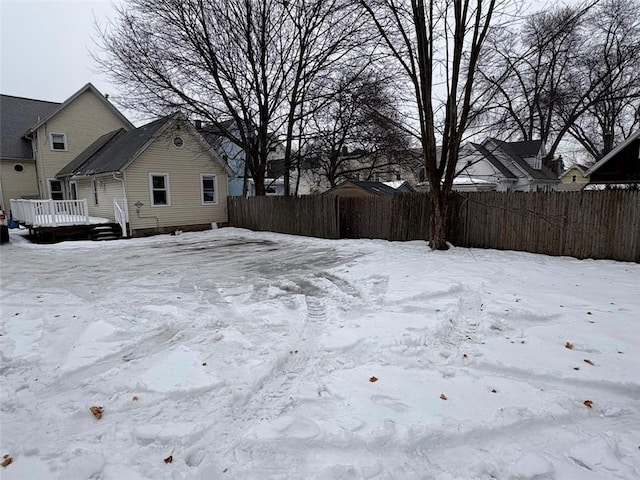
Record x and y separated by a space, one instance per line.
50 213
120 212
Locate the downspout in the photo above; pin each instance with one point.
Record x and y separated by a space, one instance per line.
126 201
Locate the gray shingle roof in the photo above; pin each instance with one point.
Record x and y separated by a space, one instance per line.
494 161
17 115
113 151
377 188
518 151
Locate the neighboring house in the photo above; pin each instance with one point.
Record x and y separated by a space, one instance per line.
505 166
39 138
573 179
164 175
354 188
234 156
620 166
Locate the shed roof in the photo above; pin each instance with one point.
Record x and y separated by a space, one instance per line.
375 188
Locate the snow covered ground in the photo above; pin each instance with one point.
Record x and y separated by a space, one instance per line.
249 355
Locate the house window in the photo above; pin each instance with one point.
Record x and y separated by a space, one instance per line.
422 175
398 175
94 188
159 189
574 178
178 142
58 141
18 168
209 190
55 190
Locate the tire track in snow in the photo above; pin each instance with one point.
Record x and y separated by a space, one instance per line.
268 398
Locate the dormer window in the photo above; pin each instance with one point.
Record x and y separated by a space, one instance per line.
58 141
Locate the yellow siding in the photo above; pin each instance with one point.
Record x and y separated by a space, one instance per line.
83 121
108 189
184 166
567 183
16 184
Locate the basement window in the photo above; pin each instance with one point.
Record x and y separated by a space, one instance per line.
58 141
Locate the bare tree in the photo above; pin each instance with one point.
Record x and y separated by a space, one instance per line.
437 45
562 65
613 53
356 128
251 61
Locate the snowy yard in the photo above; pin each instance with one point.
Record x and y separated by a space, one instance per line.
249 355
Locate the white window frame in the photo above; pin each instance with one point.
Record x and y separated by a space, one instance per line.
215 188
167 188
64 137
61 191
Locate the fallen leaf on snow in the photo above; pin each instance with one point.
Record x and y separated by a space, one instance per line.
97 412
169 459
7 460
494 391
204 364
568 345
373 379
588 403
135 398
586 360
576 368
443 396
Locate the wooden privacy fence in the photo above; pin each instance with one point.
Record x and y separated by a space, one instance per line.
590 224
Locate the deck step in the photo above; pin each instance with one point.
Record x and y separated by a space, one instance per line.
106 232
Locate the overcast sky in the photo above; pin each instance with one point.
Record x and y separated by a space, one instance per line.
45 47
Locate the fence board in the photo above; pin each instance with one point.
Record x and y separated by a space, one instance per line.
590 224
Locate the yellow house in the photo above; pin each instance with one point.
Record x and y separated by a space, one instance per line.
157 178
67 166
38 138
573 179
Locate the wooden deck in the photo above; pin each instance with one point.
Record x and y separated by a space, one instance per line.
51 221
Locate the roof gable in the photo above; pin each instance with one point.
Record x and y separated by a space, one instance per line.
17 115
518 152
491 158
87 88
